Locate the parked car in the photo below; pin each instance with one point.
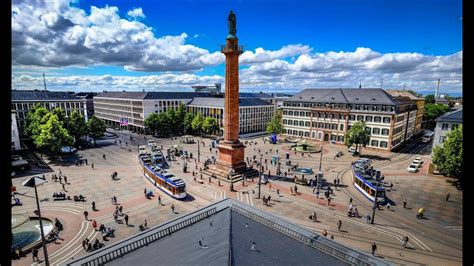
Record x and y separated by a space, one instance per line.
413 168
418 161
351 149
67 149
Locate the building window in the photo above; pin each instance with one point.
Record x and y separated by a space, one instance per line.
360 117
341 127
442 139
306 124
351 117
306 134
383 144
454 126
386 120
374 143
444 126
368 118
368 129
301 123
385 131
334 126
377 119
375 131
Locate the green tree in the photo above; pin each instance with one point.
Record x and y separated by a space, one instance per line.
152 123
180 115
188 123
433 111
61 115
358 135
449 156
34 120
77 126
96 127
53 136
429 98
210 125
197 122
275 125
172 123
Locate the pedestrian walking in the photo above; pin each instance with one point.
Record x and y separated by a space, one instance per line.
60 172
115 200
296 189
317 193
172 207
404 202
339 225
315 218
93 205
35 254
374 248
159 199
144 191
405 241
350 201
65 179
145 224
94 225
388 206
103 156
92 165
368 218
126 219
61 181
86 214
448 196
278 191
329 201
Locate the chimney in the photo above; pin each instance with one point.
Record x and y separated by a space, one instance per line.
437 89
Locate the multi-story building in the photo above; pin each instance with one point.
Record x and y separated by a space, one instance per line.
445 124
89 97
420 105
327 114
24 100
254 113
15 133
112 107
264 96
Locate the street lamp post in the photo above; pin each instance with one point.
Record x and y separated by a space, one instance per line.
199 144
319 179
260 176
375 203
33 182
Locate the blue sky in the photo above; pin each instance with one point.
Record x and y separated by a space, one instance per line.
328 44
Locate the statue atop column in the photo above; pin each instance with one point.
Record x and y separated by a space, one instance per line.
232 23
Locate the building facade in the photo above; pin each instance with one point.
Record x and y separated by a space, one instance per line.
445 124
254 113
15 143
327 114
24 100
420 106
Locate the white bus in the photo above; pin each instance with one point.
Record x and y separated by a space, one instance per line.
427 137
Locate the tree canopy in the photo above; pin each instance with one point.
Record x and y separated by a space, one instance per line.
275 125
448 157
37 116
357 135
96 127
197 122
433 111
52 136
210 126
77 126
188 123
430 98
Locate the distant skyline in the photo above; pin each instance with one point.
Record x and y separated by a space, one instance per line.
289 45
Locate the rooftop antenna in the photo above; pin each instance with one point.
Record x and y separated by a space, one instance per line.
437 89
44 81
